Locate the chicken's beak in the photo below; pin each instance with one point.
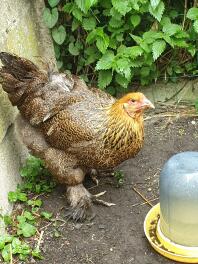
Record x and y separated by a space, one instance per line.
146 103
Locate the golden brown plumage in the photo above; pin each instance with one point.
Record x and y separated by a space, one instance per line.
72 128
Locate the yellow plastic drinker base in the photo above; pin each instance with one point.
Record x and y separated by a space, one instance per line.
162 244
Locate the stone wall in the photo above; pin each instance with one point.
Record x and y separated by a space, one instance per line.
22 32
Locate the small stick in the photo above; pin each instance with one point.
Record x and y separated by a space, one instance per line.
137 204
46 226
142 196
39 241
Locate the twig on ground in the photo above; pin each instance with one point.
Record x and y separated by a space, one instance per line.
138 204
44 227
39 240
142 196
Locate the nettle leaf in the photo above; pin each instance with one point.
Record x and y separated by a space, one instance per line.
121 80
154 3
104 78
123 67
106 61
179 43
114 23
77 13
135 51
192 13
171 29
67 8
114 13
137 39
85 5
122 6
73 49
50 17
102 43
145 71
195 25
89 23
135 20
59 34
157 48
53 3
158 11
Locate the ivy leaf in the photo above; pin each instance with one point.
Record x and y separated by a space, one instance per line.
59 34
50 17
157 48
59 64
154 3
135 20
158 11
73 49
26 229
6 253
53 3
36 253
192 13
195 25
12 197
121 6
106 61
75 24
121 80
46 215
89 23
104 78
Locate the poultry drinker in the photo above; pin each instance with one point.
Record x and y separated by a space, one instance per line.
171 226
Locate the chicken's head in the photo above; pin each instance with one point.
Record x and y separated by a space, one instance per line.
135 103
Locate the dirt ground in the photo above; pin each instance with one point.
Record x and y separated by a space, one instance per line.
115 235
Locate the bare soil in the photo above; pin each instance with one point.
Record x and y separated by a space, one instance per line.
115 235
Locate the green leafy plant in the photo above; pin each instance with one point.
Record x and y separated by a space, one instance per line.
22 225
119 176
118 43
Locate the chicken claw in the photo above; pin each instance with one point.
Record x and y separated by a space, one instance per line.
99 201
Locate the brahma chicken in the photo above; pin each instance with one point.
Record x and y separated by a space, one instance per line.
73 128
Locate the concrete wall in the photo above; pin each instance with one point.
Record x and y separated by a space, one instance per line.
23 33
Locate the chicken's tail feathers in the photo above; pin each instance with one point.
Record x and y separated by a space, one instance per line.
19 76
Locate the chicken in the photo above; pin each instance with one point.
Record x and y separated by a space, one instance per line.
74 129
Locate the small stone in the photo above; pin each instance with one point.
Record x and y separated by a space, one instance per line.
78 226
101 227
193 122
111 249
149 189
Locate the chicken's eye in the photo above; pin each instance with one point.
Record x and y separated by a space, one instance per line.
133 100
